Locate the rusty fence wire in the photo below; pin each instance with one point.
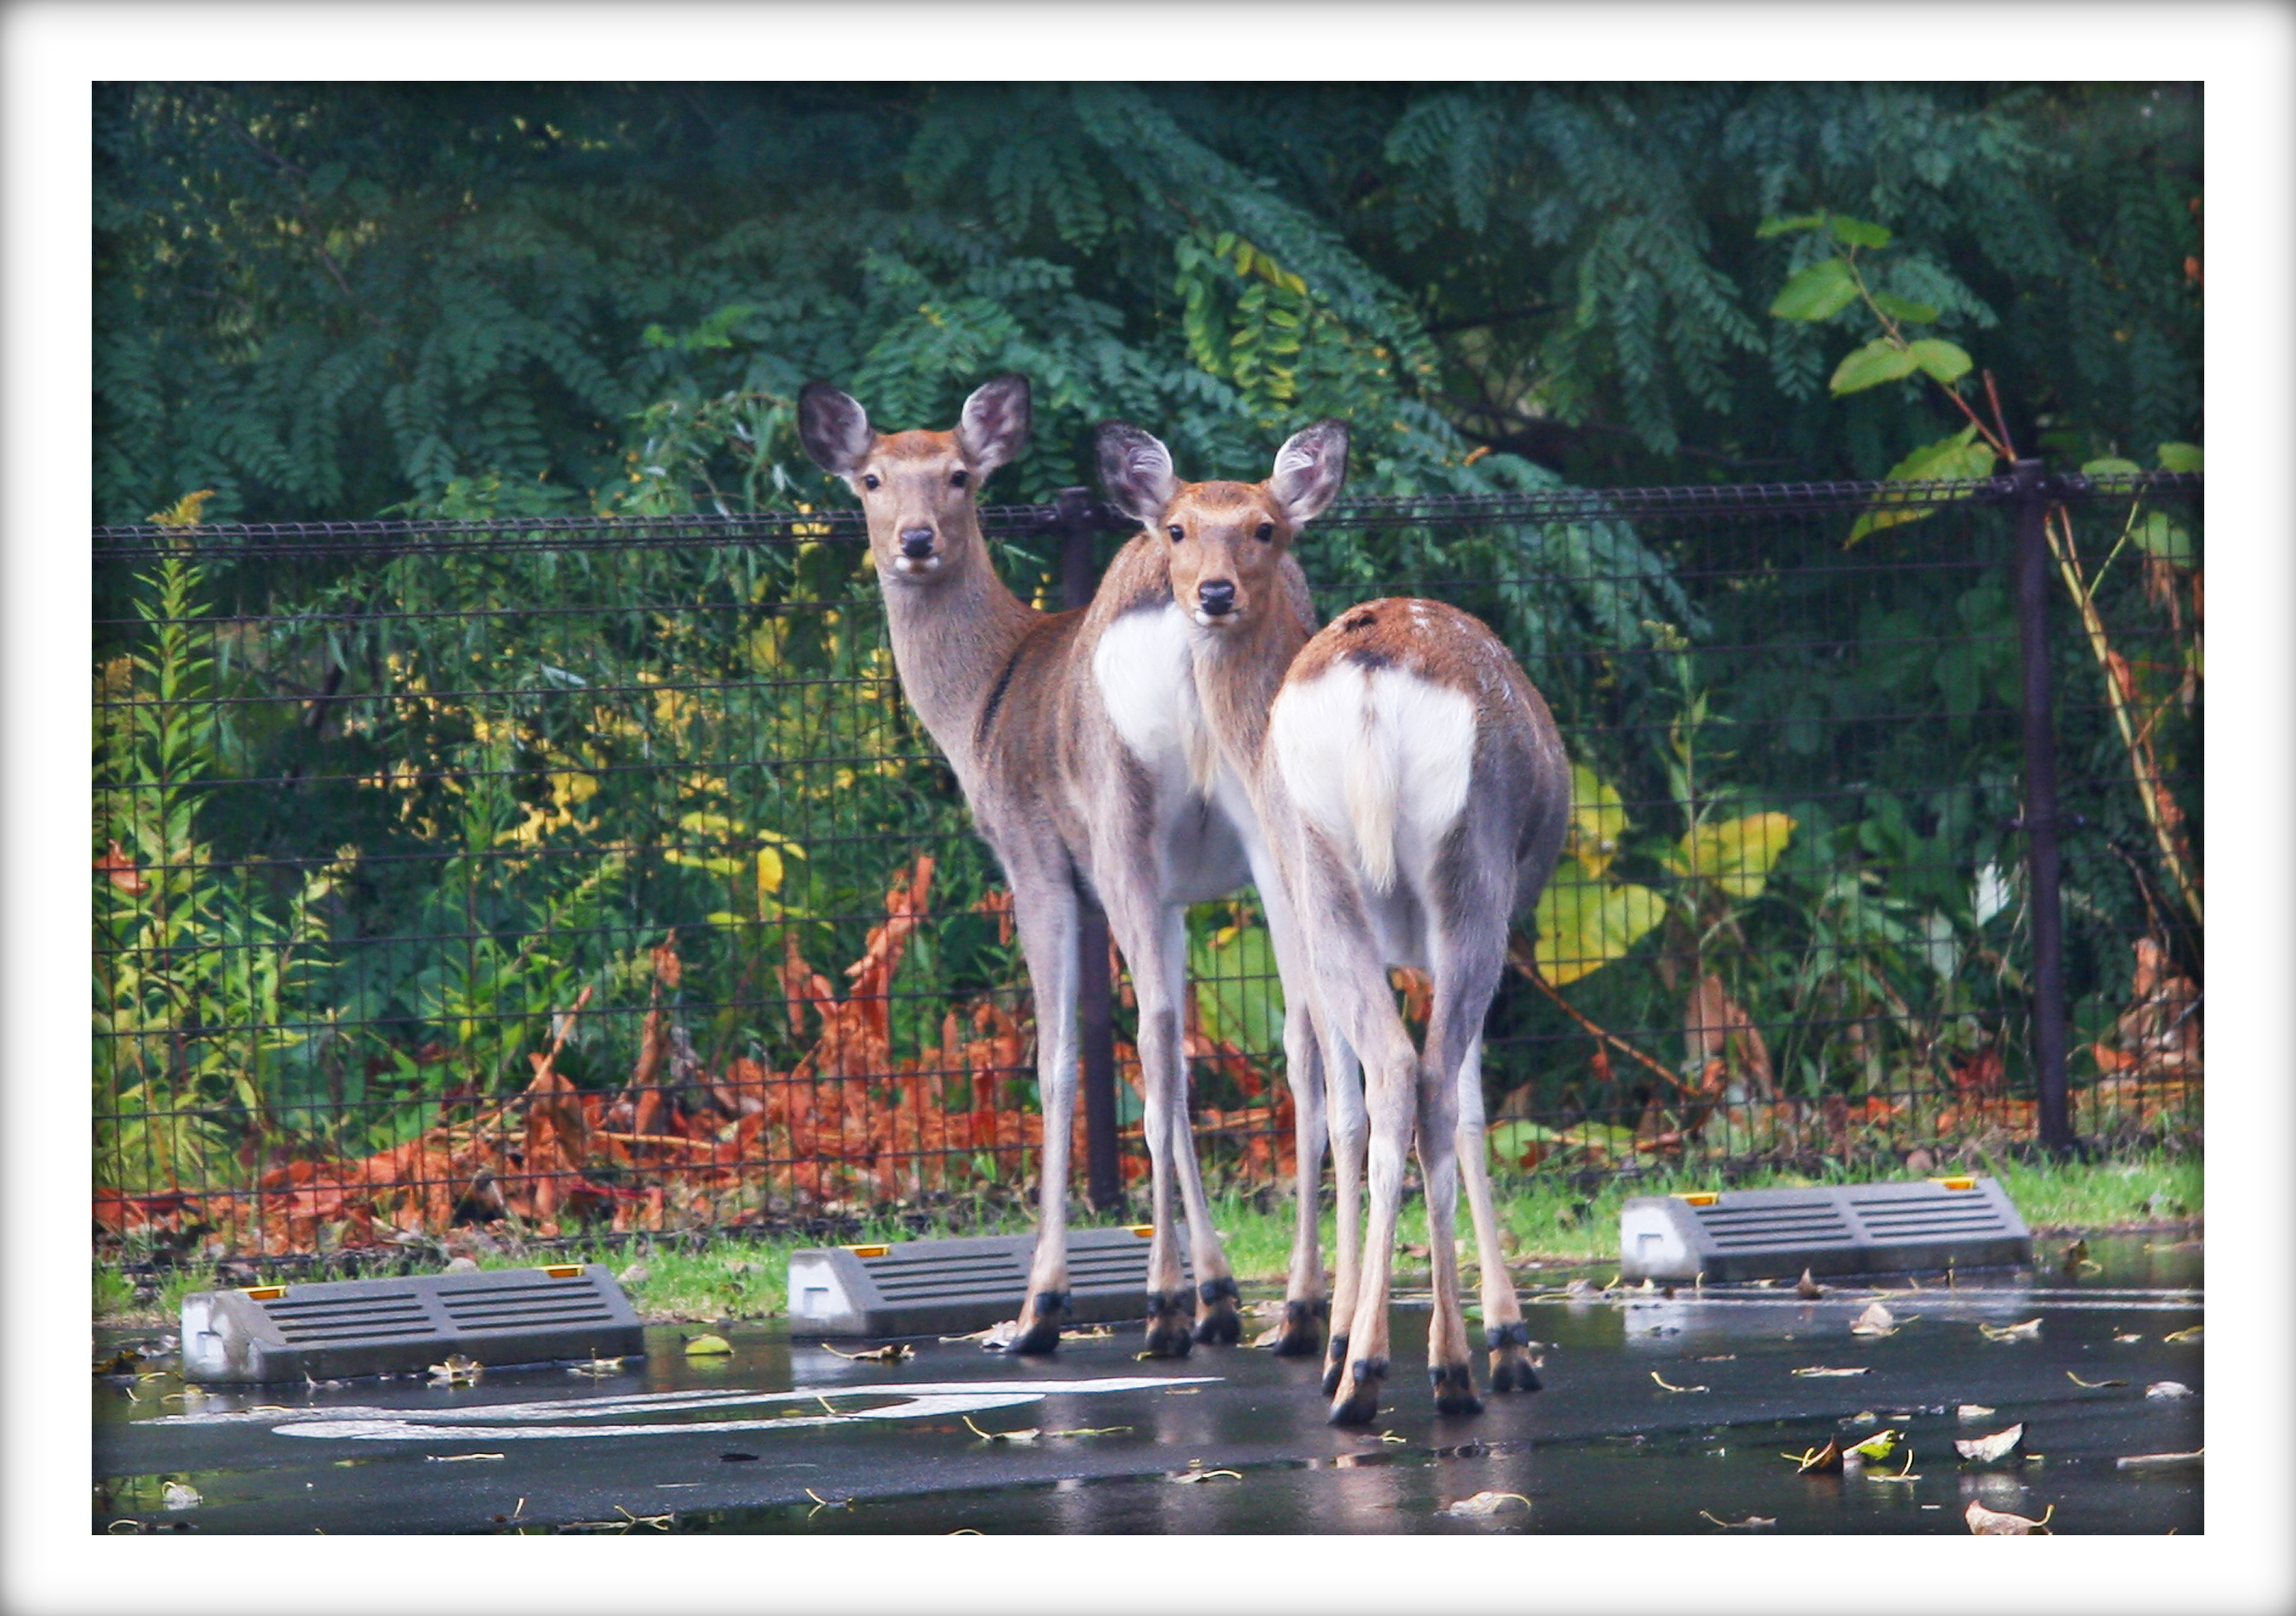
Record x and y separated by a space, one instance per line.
587 875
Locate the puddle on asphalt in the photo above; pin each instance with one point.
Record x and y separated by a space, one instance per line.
1620 1443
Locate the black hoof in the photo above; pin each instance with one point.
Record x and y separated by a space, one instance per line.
1361 1403
1511 1371
1043 1332
1303 1330
1510 1345
1169 1325
1455 1390
1219 1322
1335 1363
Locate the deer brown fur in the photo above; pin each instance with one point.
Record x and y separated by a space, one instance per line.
1414 790
1075 738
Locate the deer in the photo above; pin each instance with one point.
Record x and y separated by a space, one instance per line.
1414 790
1077 745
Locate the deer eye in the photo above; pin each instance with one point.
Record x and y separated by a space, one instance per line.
868 480
957 479
1178 532
1267 532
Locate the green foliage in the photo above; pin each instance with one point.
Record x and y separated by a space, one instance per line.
325 300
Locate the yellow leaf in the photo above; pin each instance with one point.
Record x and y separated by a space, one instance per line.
573 787
709 1346
1598 819
769 869
184 512
1736 854
1585 924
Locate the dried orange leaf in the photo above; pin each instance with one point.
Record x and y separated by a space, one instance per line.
1984 1449
2000 1523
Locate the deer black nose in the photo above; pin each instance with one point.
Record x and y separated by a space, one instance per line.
1218 597
917 542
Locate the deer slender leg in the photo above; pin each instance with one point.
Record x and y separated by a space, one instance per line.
1466 974
1350 1127
1152 937
1305 1308
1046 911
1504 1334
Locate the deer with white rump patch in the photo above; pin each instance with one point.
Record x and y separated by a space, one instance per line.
1072 737
1415 791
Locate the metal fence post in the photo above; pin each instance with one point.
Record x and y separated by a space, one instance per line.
1078 520
2040 820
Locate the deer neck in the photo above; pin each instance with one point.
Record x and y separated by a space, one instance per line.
1237 676
953 638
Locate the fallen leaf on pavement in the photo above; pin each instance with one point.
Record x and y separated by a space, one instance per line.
1904 1472
2000 1523
1663 1386
180 1495
1973 1411
894 1352
2125 1340
2030 1330
2158 1461
458 1458
1751 1524
2168 1389
1484 1504
1816 1461
1269 1336
456 1371
1207 1475
1984 1449
2181 1337
1878 1446
1819 1372
1875 1320
2091 1385
1808 1289
1028 1435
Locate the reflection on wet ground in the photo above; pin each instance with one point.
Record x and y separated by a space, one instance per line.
1662 1413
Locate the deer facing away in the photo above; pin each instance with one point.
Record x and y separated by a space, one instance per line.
1076 739
1414 789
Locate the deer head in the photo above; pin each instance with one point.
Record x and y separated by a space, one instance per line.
917 488
1223 540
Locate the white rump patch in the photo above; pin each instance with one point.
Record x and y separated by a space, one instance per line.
1147 679
1377 759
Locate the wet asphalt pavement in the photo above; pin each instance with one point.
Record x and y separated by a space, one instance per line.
782 1436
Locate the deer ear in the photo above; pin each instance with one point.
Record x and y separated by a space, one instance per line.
995 424
1310 468
834 427
1137 471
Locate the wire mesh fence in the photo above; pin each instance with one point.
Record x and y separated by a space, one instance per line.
593 876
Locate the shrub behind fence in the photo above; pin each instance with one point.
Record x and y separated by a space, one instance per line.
594 875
